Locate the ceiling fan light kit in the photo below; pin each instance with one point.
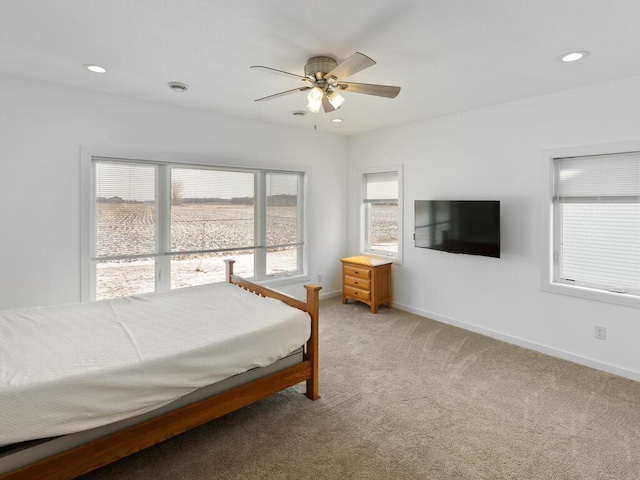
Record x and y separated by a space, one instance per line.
335 99
314 106
315 99
323 79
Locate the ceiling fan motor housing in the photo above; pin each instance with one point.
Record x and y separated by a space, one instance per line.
317 67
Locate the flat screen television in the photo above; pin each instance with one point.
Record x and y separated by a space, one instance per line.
458 226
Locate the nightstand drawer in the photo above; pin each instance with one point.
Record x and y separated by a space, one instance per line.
358 283
357 293
360 272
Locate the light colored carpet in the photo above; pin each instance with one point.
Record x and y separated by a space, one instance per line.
404 397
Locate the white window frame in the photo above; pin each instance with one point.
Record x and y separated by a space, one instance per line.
547 232
163 281
398 170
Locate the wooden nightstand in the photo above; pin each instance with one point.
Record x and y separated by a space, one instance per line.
367 280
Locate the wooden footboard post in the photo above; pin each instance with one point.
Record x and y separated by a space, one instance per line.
228 270
313 308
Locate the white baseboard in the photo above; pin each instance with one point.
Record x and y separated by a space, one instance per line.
588 362
326 295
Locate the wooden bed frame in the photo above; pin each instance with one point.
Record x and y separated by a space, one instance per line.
104 450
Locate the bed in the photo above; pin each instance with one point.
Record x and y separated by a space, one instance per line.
156 385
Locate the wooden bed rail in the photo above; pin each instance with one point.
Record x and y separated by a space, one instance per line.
311 306
101 451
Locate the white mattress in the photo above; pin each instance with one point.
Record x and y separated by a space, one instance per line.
69 368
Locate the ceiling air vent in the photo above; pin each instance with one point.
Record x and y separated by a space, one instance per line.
178 87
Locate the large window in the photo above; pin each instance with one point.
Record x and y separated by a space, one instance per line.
596 223
158 226
381 214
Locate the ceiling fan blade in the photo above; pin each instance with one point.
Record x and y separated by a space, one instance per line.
280 72
326 105
370 89
354 64
281 94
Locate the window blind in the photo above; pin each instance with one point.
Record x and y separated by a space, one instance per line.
597 208
283 239
381 213
381 187
125 209
607 178
211 210
282 212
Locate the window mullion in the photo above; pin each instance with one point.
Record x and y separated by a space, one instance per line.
90 294
260 215
300 225
163 234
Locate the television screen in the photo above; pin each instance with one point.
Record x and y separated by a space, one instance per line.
458 226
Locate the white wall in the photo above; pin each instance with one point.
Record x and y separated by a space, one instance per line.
496 153
42 128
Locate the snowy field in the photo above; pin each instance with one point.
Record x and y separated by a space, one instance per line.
130 229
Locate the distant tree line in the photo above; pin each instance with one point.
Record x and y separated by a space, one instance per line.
117 200
272 200
282 200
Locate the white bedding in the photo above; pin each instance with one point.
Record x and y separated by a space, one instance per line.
73 367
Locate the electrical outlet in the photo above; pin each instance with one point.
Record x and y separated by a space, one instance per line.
319 278
600 332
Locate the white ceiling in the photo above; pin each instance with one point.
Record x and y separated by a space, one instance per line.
447 55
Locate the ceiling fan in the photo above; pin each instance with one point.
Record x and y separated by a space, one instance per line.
323 80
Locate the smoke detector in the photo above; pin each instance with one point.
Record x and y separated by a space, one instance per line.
178 87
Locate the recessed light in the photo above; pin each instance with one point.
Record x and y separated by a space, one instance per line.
95 68
336 120
573 56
